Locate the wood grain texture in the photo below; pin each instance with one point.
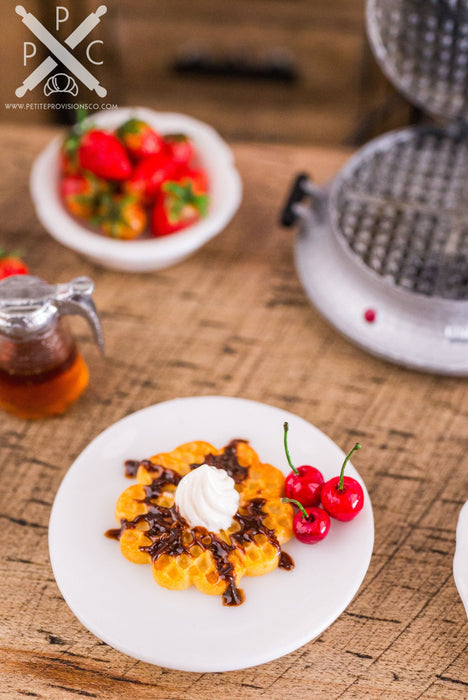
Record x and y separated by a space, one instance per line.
335 90
323 41
233 320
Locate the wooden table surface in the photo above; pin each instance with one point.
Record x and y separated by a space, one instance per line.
233 320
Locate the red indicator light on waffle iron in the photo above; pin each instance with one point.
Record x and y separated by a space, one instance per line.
370 315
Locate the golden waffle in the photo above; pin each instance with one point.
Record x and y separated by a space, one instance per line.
152 530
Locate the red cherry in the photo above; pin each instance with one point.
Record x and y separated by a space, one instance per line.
304 483
342 496
311 524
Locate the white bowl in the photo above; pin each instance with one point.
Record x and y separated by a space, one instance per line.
146 254
460 560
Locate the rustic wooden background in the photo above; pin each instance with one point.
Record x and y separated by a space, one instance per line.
233 320
339 95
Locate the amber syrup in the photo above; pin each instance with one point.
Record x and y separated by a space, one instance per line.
44 393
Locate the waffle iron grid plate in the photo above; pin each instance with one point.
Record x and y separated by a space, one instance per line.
390 232
422 46
401 209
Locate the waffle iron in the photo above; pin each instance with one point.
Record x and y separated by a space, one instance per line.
382 251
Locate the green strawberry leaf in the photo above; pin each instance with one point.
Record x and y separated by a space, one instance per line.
73 139
18 253
180 196
131 126
201 203
175 189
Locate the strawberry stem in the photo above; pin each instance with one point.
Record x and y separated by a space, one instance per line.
299 505
357 446
286 428
12 254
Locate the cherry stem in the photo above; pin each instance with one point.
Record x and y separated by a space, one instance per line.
357 446
286 428
299 505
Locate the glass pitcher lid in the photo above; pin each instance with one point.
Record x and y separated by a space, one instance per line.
422 47
28 304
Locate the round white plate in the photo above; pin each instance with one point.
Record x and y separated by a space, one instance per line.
120 602
460 560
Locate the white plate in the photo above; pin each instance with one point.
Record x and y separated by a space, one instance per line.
141 255
460 560
120 602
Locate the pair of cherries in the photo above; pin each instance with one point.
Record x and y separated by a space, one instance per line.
342 497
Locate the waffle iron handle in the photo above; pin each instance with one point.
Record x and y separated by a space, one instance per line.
293 208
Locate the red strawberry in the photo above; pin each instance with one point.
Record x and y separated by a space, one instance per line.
196 176
11 264
121 217
149 175
177 206
103 154
140 139
179 148
80 194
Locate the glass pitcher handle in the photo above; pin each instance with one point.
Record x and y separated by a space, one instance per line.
75 299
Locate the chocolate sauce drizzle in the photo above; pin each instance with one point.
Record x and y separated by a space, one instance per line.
170 534
132 466
228 461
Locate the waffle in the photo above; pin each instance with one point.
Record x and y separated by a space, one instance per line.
153 531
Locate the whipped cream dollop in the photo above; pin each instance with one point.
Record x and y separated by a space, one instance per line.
207 497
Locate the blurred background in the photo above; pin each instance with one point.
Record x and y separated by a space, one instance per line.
288 71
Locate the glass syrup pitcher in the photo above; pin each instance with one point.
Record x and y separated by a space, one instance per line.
41 369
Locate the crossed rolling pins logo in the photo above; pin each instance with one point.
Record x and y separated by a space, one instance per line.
61 82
